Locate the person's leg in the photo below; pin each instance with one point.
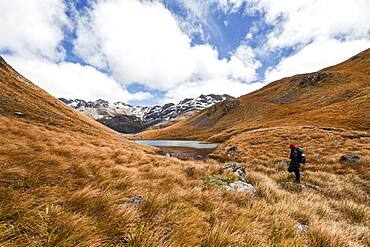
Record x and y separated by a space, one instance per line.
297 175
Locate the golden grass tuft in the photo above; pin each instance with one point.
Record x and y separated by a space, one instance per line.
68 181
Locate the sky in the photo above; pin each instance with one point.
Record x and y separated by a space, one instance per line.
152 52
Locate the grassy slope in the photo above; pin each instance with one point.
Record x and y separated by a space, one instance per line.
64 180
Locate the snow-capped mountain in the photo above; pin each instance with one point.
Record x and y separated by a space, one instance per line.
131 119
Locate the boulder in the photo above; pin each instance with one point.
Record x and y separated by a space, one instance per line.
136 199
240 186
218 181
233 151
237 169
230 185
310 79
302 228
229 105
18 113
312 186
132 201
349 158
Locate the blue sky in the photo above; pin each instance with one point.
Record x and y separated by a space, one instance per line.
152 52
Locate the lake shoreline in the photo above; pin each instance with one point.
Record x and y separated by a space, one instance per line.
181 149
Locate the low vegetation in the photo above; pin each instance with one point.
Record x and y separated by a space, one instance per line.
68 181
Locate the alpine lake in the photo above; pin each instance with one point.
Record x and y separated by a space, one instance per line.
181 149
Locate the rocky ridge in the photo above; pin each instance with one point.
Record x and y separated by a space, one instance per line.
126 118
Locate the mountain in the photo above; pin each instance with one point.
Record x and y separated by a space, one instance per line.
337 96
126 118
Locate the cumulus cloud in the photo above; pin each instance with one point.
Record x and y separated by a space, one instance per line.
127 42
33 28
141 41
72 80
32 32
297 22
321 33
317 55
214 86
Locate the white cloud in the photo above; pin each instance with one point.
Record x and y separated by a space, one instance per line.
317 55
300 22
33 27
72 80
32 31
142 42
321 33
215 86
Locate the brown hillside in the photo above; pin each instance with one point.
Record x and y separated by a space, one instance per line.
66 180
337 96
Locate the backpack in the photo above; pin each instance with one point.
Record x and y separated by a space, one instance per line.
301 156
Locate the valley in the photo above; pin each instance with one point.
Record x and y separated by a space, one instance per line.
68 180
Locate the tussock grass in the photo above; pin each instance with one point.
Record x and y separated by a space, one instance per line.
67 181
77 192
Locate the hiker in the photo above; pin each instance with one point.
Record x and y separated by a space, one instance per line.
296 158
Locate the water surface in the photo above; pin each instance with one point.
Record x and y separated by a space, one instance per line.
177 143
182 149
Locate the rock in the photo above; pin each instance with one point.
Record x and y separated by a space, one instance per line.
3 64
240 173
298 187
229 185
132 201
218 181
135 200
231 167
233 149
349 158
229 106
190 171
18 113
312 186
240 186
211 110
302 228
198 157
238 170
310 79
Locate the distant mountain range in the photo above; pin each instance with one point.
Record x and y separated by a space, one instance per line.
126 118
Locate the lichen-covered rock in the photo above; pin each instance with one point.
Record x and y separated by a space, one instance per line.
218 181
230 185
240 186
237 169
